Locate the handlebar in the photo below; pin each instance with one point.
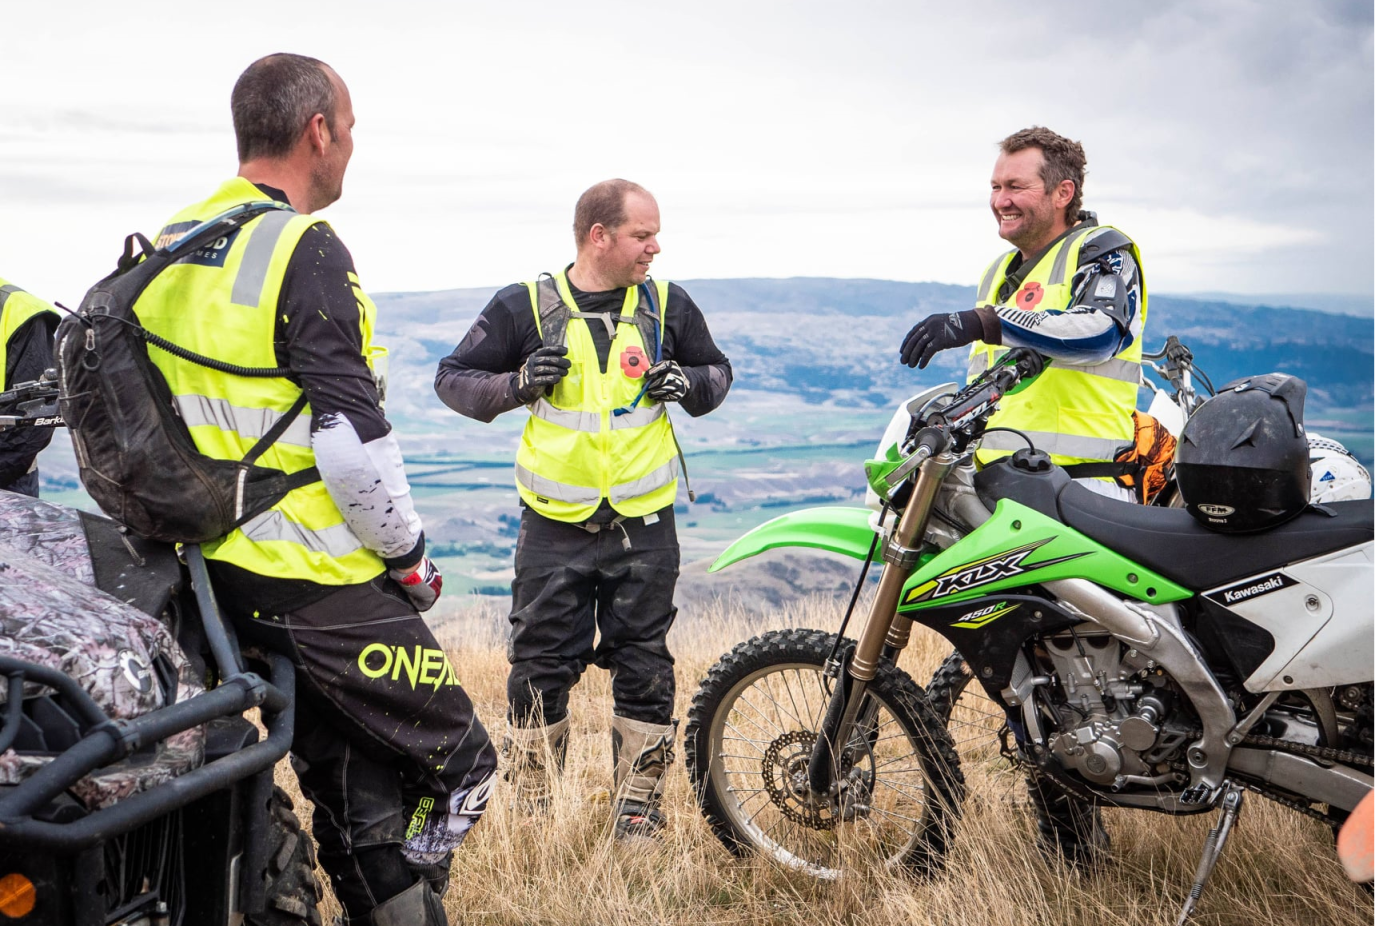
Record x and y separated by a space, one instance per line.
962 420
32 404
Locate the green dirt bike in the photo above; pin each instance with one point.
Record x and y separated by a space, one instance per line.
1142 660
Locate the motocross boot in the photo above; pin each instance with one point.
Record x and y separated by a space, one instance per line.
641 753
1067 826
434 873
533 756
417 905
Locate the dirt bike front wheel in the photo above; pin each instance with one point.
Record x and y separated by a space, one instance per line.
749 738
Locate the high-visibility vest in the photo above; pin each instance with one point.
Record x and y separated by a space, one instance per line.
221 301
576 450
16 308
1077 414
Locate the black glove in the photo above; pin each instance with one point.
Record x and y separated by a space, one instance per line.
542 369
666 382
936 333
422 586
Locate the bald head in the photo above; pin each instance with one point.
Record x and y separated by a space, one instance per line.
604 205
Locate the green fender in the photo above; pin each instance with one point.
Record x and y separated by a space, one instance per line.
840 530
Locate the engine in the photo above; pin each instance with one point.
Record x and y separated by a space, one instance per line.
1112 713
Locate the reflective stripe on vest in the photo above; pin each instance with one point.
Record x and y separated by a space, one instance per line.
1074 413
591 422
336 542
257 258
583 495
222 301
250 423
576 451
665 475
1090 448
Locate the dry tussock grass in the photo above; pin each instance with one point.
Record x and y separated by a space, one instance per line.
565 868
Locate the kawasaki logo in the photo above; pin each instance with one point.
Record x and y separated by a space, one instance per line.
974 620
425 666
1252 588
986 571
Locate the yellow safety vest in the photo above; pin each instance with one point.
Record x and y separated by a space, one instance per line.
16 308
576 450
1077 414
221 302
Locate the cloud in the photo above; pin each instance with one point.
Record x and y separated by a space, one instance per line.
781 137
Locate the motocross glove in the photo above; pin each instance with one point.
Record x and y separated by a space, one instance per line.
940 332
542 369
422 586
666 382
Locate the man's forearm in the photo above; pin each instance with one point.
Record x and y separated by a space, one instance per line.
709 385
368 484
476 393
1102 321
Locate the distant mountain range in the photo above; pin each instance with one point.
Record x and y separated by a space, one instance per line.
833 341
816 377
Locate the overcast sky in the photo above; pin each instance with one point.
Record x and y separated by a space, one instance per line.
1231 138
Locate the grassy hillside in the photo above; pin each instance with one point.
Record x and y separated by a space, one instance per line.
564 868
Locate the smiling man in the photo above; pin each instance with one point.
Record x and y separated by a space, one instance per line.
595 352
1072 289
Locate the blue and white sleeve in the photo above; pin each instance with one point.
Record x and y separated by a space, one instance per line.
1103 318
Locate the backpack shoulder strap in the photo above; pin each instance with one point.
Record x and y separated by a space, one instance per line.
650 314
551 313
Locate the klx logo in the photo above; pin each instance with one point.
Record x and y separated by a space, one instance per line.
991 569
1009 564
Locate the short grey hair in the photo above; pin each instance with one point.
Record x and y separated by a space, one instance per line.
274 99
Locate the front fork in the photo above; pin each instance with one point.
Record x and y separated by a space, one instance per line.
885 633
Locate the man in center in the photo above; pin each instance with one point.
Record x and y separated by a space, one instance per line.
596 352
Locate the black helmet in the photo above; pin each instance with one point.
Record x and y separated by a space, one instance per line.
1242 460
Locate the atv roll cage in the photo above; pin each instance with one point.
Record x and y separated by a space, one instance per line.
34 815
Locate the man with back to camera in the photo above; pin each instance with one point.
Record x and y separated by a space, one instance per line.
26 350
1071 289
595 351
335 574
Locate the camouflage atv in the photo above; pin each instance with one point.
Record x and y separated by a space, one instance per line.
133 791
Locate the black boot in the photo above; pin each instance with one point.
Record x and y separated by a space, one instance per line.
417 905
434 873
1066 825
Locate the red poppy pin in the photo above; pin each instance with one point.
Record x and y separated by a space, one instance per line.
1030 295
634 362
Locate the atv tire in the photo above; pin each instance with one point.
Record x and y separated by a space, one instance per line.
293 891
749 734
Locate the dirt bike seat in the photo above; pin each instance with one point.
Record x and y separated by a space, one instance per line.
1169 540
1172 543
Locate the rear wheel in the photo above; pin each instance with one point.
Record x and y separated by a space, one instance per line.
749 737
980 734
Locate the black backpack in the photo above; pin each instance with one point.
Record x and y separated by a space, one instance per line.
134 454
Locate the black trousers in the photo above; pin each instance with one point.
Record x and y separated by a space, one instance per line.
571 584
387 743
